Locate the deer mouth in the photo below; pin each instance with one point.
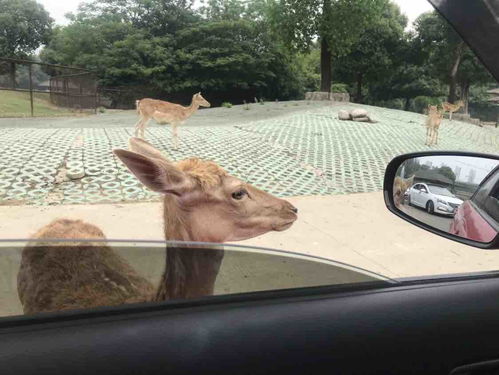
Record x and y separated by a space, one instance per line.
283 227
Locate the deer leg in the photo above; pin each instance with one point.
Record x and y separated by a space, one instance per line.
137 126
427 142
143 128
450 115
436 136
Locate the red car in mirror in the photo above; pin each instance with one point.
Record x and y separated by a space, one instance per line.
478 218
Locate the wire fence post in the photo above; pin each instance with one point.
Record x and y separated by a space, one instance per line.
31 90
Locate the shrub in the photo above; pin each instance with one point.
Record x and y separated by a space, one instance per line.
392 103
101 109
339 88
420 103
227 105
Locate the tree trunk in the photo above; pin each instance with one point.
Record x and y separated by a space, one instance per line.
13 75
325 66
358 98
465 95
407 102
458 52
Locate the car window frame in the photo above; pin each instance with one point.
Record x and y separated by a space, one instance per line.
477 204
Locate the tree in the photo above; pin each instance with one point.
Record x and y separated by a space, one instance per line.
223 10
443 47
24 26
447 171
471 71
157 17
236 58
84 43
377 53
337 23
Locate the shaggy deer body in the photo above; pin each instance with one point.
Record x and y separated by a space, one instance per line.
432 125
65 276
451 108
166 113
202 203
400 186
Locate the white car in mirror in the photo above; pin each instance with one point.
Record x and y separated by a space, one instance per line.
433 198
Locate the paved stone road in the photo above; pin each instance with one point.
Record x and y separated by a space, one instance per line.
304 153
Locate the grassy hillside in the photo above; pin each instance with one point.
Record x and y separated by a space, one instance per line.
17 104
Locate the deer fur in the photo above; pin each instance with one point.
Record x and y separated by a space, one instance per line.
433 124
451 108
166 113
400 186
202 203
73 275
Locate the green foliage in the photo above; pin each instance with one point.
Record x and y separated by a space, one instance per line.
339 88
397 103
420 103
307 69
377 52
233 56
338 24
157 17
226 105
101 109
446 171
24 26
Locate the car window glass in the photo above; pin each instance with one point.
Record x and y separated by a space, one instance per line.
440 191
92 279
486 197
262 123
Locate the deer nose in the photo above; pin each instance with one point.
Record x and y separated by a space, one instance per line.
294 209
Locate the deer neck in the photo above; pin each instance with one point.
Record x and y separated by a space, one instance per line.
189 273
192 108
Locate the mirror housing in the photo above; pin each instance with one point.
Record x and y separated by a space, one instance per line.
425 215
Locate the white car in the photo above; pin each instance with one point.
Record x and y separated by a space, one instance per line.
434 199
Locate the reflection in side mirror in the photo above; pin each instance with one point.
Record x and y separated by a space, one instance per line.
455 195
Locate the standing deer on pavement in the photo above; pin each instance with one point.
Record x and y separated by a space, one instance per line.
166 113
451 108
433 124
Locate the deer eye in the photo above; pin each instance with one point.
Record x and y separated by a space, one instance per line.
240 194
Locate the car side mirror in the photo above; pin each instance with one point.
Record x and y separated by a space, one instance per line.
462 199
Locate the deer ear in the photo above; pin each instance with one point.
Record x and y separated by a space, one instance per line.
144 148
158 175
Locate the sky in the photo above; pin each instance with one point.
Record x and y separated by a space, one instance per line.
58 8
482 167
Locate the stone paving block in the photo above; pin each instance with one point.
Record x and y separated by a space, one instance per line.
304 153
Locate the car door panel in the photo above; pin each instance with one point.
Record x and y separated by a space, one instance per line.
415 195
407 329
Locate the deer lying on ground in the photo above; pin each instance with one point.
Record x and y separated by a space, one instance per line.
433 124
202 203
166 113
451 108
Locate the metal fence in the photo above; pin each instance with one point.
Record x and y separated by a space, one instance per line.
39 89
